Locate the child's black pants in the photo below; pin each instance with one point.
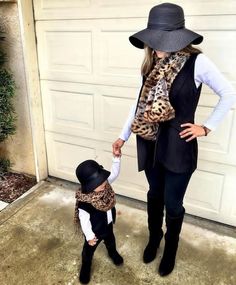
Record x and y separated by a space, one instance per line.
109 241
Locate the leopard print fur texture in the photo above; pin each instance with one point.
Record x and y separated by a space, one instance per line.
103 200
154 105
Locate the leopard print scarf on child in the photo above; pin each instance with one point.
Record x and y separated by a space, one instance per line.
154 105
103 200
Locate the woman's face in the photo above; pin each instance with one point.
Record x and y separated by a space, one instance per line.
161 54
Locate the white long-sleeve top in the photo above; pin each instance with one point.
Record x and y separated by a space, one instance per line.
207 73
84 216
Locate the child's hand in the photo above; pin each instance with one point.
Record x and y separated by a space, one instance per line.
93 241
116 147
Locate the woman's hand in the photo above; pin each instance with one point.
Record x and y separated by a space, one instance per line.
192 131
116 147
93 241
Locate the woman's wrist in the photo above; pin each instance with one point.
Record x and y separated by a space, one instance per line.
206 130
122 140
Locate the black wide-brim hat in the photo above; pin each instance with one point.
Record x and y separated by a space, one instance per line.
91 175
165 30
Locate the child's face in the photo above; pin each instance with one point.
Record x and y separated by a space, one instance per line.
101 187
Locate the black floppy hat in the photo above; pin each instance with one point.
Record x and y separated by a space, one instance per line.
165 30
90 175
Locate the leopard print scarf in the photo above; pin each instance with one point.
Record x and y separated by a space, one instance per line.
154 105
103 200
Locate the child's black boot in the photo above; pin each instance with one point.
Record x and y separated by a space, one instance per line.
115 256
84 276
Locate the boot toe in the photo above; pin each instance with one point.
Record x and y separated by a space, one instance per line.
84 279
165 268
149 254
116 258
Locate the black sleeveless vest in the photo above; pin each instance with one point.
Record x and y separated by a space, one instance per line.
98 219
175 153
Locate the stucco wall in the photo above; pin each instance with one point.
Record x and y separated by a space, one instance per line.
18 148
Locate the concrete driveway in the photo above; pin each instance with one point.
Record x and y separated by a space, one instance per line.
38 245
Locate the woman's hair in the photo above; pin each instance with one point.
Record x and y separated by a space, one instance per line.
149 57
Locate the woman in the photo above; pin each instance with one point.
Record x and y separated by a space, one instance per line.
163 121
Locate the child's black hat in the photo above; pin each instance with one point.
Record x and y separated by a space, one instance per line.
90 175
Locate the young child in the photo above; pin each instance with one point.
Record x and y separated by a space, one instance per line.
95 208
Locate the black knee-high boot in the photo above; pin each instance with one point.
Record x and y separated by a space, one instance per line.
155 208
174 225
87 256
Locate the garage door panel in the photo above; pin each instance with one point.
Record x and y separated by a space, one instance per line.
57 4
88 51
73 109
91 111
74 9
124 3
69 51
207 7
65 50
118 62
67 109
207 196
111 123
218 145
234 214
64 154
211 22
116 59
214 47
205 191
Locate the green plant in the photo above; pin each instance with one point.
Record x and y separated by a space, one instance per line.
4 165
7 113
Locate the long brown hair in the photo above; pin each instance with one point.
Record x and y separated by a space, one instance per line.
149 57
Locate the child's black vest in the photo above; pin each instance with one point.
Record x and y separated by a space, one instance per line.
98 219
175 153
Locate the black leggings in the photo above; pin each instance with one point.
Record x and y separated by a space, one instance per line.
109 241
168 187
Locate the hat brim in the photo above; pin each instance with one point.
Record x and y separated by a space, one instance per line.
169 41
93 184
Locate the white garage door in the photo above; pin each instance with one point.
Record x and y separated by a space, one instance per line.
90 76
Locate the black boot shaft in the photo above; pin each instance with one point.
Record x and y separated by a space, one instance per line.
155 211
174 225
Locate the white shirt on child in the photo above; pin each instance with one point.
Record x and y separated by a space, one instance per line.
84 216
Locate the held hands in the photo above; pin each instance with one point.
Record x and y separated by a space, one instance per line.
116 147
93 241
192 131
